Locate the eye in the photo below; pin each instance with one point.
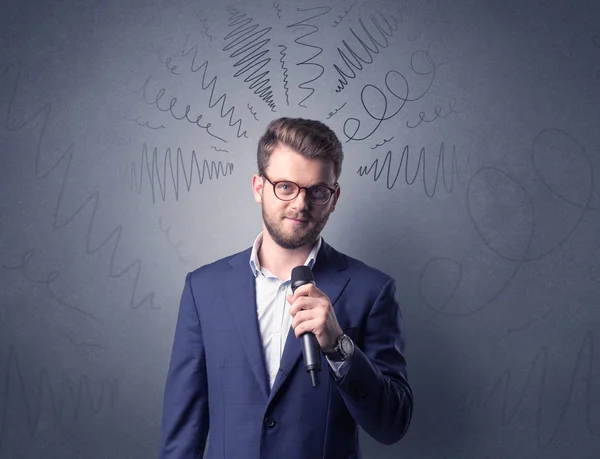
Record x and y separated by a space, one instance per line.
286 187
319 191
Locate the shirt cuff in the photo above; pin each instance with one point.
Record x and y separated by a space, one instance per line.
339 368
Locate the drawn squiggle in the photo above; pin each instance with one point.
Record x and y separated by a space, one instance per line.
343 80
214 170
218 149
315 29
203 21
285 72
276 6
250 107
146 124
504 385
175 245
212 84
530 321
24 268
336 110
92 200
247 43
387 166
382 143
69 397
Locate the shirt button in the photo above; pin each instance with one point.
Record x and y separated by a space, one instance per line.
269 422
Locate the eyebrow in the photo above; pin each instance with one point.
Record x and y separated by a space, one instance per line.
314 184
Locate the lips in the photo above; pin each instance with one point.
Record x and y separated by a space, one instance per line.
299 220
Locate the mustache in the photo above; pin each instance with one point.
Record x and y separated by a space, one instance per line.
303 217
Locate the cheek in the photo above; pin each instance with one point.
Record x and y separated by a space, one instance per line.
274 209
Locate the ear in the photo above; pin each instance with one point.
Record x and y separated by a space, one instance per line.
334 198
257 188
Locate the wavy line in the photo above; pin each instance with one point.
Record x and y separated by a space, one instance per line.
307 61
203 21
366 170
530 321
92 200
504 385
130 175
382 143
276 6
285 72
343 81
136 121
212 83
250 107
249 44
218 149
70 395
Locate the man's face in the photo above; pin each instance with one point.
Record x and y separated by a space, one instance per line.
296 223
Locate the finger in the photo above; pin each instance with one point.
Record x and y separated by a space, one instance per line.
316 317
303 290
307 326
299 317
303 303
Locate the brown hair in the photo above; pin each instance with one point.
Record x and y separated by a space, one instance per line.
310 138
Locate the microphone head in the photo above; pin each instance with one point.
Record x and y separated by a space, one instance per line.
301 275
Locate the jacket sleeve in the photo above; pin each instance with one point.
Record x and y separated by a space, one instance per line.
185 420
374 385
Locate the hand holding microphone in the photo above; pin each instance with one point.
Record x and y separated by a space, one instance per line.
313 320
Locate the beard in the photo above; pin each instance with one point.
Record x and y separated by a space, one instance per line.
306 234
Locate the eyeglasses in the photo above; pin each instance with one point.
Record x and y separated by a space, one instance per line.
316 194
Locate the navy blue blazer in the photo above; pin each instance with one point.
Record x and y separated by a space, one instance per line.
217 378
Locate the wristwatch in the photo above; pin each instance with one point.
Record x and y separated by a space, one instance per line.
343 350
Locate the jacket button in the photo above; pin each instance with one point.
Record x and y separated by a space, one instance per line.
269 422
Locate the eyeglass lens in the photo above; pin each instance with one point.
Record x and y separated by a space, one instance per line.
316 194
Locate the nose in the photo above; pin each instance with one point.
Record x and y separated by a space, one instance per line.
301 201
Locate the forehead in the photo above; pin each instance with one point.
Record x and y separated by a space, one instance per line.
287 164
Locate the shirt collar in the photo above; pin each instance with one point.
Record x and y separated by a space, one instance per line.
255 264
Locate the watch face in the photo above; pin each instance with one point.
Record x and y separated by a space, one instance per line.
346 345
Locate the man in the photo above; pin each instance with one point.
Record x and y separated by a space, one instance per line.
236 366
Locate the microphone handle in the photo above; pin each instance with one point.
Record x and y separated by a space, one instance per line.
312 356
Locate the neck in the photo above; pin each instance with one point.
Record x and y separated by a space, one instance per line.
281 261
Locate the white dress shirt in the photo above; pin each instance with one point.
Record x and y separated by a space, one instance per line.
273 309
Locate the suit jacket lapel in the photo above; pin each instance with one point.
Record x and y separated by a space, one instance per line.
240 292
331 280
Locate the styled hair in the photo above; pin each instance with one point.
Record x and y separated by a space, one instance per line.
310 138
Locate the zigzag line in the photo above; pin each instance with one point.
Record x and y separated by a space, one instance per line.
366 170
250 53
93 199
504 385
285 72
70 394
307 61
342 82
130 176
212 83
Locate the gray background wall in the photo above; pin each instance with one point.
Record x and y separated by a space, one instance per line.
489 222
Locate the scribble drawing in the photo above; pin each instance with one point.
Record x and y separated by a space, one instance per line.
377 170
537 383
92 200
67 399
247 43
285 72
314 29
146 124
211 84
213 170
382 143
358 61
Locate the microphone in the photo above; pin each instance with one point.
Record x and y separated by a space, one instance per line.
302 275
